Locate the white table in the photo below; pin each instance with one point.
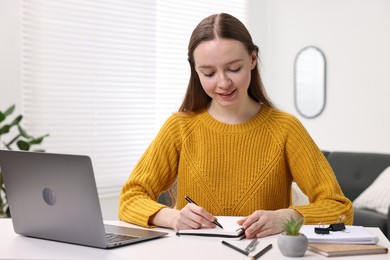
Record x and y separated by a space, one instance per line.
14 246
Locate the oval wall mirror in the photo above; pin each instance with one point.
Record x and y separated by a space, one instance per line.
309 82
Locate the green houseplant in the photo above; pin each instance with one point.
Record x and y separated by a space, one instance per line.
291 242
20 140
292 226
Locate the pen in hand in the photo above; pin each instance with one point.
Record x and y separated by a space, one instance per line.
193 202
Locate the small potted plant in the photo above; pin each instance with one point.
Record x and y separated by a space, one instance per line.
291 242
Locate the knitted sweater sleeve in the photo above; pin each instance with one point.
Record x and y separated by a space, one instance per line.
315 177
154 173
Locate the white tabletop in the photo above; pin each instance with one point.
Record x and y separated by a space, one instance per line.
14 246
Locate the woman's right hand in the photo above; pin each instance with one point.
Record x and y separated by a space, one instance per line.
189 217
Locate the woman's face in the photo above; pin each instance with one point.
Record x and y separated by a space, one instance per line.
224 68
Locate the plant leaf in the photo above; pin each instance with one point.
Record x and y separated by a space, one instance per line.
23 132
17 120
39 150
292 226
4 129
24 146
9 110
38 140
2 116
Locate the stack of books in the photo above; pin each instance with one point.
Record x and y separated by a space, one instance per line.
354 240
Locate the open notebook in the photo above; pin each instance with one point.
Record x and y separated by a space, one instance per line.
231 229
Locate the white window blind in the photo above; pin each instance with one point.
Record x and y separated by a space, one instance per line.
102 76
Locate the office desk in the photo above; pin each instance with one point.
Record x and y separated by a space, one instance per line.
13 246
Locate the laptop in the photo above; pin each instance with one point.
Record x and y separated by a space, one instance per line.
54 197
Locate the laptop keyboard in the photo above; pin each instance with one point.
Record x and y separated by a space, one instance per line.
115 238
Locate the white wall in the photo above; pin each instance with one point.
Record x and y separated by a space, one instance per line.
355 38
110 207
9 54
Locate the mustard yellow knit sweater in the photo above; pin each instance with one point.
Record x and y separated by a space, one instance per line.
233 170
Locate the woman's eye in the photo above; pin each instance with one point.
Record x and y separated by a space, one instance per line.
208 74
235 70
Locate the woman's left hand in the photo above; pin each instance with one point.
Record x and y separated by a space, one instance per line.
262 223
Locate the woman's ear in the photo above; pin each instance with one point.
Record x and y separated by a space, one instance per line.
253 60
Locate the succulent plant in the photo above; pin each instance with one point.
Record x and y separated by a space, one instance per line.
292 226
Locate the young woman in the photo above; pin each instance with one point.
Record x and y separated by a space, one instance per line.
229 149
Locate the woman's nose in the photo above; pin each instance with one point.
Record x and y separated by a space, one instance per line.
224 81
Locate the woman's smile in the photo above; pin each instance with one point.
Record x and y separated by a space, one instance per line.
227 94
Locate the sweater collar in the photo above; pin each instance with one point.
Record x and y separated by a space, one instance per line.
206 119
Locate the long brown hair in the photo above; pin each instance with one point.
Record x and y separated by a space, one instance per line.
223 26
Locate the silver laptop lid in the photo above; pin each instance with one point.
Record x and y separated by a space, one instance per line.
53 196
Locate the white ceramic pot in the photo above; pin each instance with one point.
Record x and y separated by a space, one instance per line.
293 246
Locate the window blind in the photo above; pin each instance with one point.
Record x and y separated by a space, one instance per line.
102 76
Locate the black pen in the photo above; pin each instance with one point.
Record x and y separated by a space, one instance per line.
193 202
262 252
235 248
